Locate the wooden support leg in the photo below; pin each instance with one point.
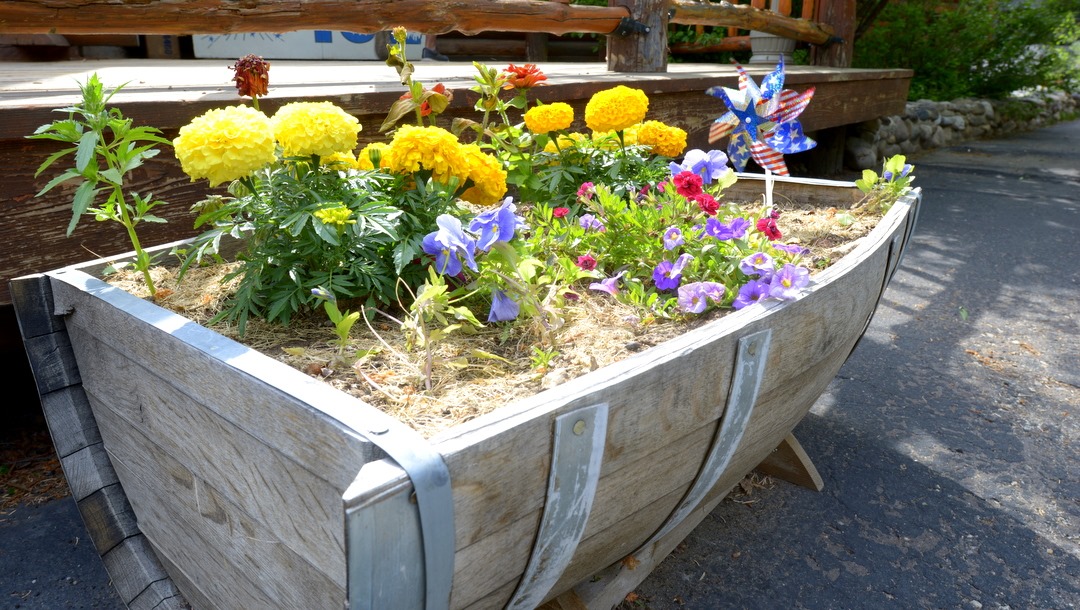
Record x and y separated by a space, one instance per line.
790 463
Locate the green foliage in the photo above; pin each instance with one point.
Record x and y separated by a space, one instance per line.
994 47
342 321
881 192
294 244
106 148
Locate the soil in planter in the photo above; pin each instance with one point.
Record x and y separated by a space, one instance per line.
474 372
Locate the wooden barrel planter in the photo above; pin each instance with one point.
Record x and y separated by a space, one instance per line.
209 474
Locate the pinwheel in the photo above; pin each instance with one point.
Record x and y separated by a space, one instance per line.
762 121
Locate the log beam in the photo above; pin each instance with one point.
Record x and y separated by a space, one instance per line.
184 17
746 17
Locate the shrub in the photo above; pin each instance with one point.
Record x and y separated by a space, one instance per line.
994 47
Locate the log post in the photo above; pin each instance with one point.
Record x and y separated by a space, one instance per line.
639 44
840 14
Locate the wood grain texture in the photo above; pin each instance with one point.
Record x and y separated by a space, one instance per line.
790 462
301 507
364 16
229 555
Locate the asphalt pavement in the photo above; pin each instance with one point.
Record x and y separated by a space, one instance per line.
949 443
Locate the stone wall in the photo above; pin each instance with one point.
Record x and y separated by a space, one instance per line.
926 124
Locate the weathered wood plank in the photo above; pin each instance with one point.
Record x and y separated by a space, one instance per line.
748 17
308 425
300 506
232 557
32 297
190 592
87 471
132 567
366 16
790 462
108 517
71 422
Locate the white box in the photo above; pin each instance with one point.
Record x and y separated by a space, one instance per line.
305 44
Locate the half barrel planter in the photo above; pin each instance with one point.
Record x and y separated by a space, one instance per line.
211 475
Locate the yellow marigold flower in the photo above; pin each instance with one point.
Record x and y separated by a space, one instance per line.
363 159
665 140
225 144
339 160
616 109
487 174
314 128
549 117
338 215
431 148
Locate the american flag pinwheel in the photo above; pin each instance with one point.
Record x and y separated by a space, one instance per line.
762 121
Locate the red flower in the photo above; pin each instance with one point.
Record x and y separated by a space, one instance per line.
687 184
586 262
707 203
767 225
560 212
523 77
252 75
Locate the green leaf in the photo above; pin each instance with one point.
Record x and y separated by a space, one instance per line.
64 177
84 196
87 147
112 176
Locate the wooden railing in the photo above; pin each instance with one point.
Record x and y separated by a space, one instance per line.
636 29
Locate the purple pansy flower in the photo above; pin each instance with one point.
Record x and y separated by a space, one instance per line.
739 227
503 308
750 293
695 296
496 225
667 275
673 238
719 230
447 244
788 281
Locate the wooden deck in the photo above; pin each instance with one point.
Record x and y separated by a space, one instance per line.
169 93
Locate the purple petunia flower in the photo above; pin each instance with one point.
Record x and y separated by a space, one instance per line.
719 230
447 244
739 227
795 249
503 308
711 166
759 264
667 275
496 225
788 281
750 293
588 221
673 238
695 296
609 285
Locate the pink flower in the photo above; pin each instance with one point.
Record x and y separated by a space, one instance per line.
586 262
586 190
560 212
